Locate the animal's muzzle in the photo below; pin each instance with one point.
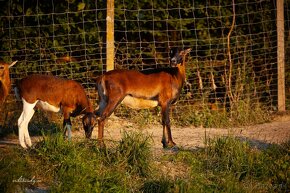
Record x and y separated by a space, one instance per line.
88 132
173 61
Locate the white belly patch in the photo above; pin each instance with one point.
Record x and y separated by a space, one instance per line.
47 107
139 103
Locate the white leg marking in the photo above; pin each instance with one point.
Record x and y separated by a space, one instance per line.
26 134
23 121
20 131
68 132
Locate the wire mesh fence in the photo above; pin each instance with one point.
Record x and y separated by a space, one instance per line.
233 61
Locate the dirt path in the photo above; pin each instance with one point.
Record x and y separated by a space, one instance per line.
259 135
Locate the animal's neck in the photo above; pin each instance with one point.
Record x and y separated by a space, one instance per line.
82 108
89 109
87 106
4 90
181 69
5 78
2 94
6 85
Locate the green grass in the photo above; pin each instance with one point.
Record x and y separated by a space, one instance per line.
14 164
84 167
230 165
224 165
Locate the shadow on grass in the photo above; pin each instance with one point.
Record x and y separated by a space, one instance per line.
254 143
41 123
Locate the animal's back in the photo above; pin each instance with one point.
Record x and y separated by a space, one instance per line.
49 88
137 83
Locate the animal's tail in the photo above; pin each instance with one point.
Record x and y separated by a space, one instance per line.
101 89
100 85
98 80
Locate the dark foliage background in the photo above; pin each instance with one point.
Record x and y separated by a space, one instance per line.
38 32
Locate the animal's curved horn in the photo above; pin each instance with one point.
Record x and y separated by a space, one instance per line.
83 110
12 64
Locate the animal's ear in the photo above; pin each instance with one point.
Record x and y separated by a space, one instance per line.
12 64
185 52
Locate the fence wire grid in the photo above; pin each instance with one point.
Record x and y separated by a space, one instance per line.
234 44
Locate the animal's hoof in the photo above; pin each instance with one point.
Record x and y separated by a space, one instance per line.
174 148
169 145
23 145
165 144
101 144
29 144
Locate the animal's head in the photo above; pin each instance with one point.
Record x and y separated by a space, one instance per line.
177 57
89 122
4 70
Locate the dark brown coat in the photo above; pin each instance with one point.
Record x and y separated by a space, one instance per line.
153 87
66 95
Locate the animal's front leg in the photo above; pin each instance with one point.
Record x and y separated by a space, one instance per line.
164 139
101 124
67 128
67 125
167 140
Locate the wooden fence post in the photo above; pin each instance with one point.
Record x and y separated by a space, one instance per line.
281 56
110 47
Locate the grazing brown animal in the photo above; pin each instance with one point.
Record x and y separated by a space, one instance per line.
142 89
54 94
5 82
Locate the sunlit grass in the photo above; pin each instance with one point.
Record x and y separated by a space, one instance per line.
224 165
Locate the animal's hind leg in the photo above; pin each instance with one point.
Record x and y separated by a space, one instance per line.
26 134
102 106
26 115
106 112
20 130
